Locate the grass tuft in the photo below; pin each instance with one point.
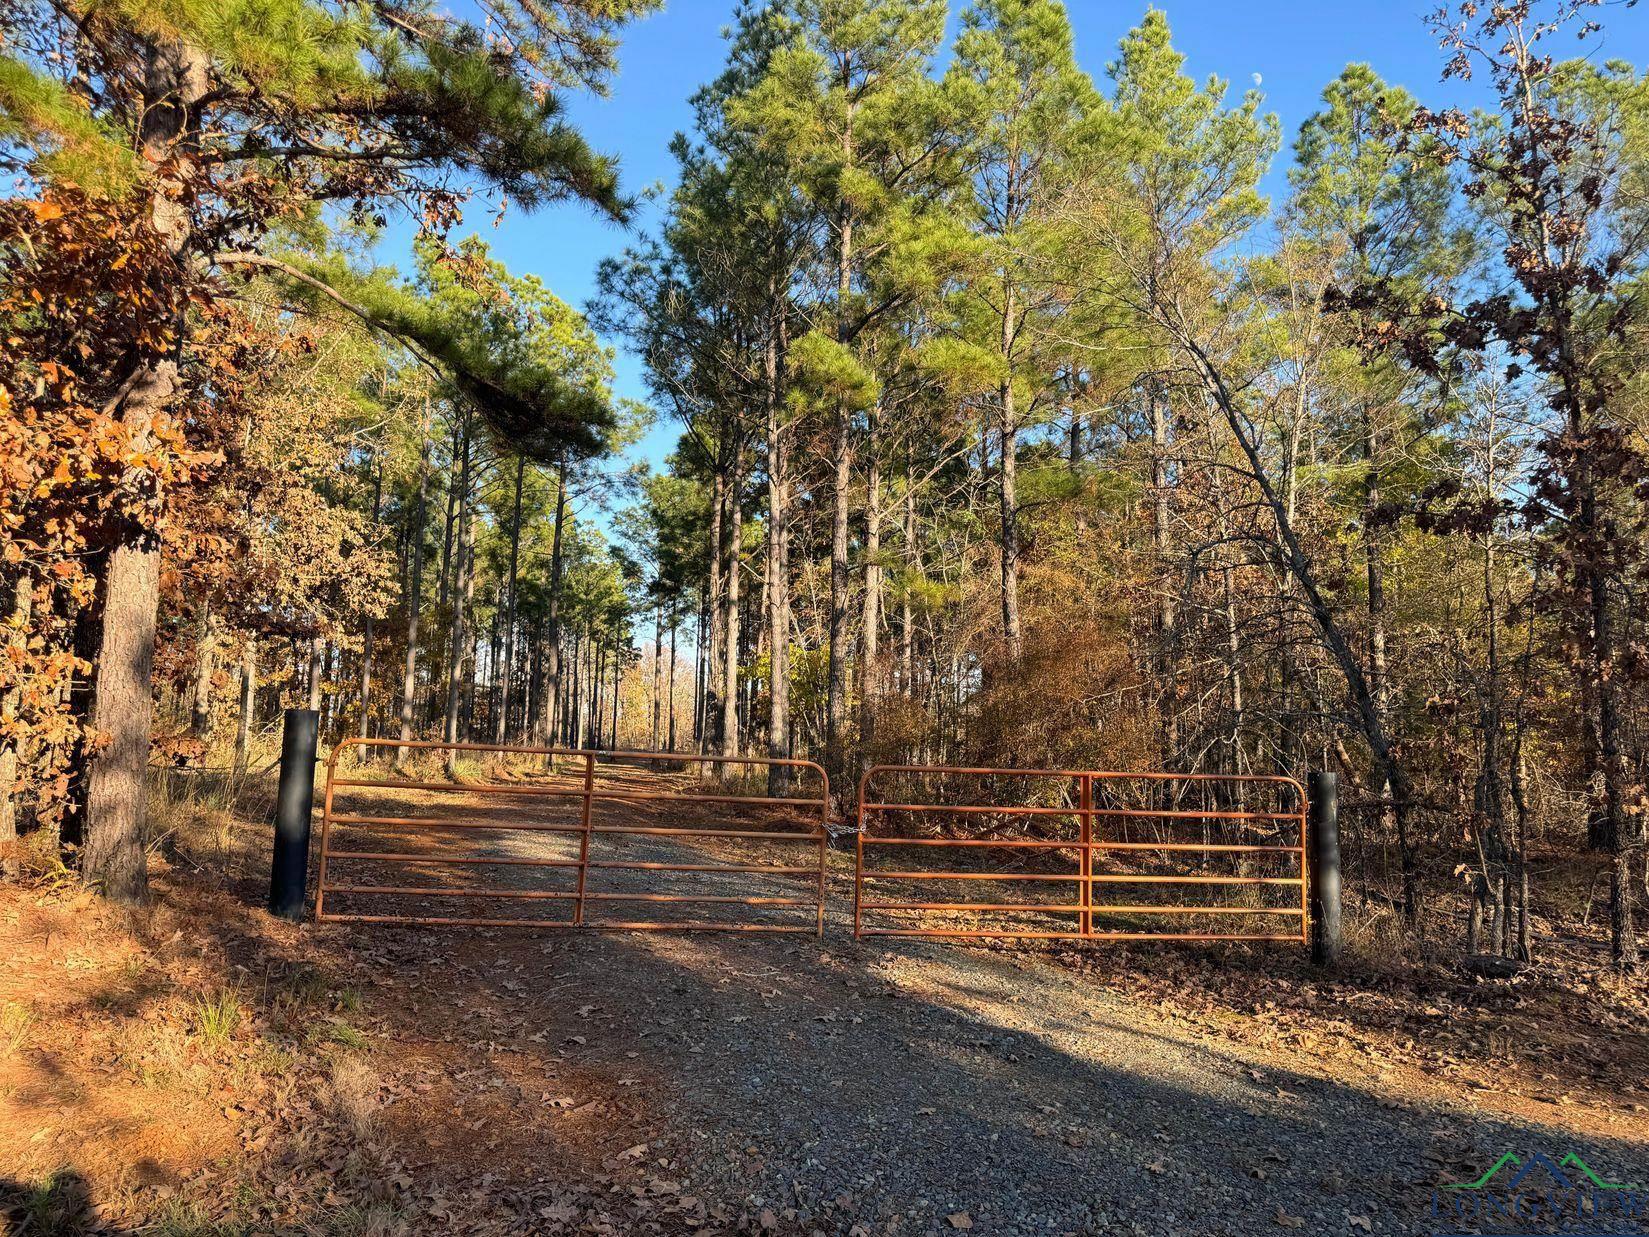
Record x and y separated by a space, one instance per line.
340 1032
217 1016
54 1204
180 1218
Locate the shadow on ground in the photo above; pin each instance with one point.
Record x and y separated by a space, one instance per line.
675 1082
829 1084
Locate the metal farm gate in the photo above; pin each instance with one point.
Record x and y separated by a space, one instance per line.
1129 856
575 838
582 834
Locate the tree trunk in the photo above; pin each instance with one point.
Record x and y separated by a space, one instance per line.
1387 768
494 663
591 674
501 724
836 655
754 651
114 859
200 701
907 620
317 670
176 78
699 624
1623 941
444 579
871 606
672 695
1598 638
709 734
778 583
1008 433
17 636
573 720
414 603
841 480
1167 616
462 592
1074 459
1233 677
248 701
727 731
1379 683
552 624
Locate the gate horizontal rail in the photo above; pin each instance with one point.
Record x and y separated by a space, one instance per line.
1080 790
583 897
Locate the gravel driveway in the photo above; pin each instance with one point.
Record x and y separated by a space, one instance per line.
830 1086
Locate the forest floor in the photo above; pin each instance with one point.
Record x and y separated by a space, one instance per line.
200 1068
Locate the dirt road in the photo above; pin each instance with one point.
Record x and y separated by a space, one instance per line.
789 1084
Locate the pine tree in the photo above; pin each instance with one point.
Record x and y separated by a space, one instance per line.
1025 108
219 120
853 111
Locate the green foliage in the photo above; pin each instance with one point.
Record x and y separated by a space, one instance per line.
1022 105
297 50
71 144
828 374
1357 183
960 366
1026 111
315 84
457 109
1192 164
850 113
520 354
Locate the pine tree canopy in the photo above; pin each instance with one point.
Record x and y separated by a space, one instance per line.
330 102
526 360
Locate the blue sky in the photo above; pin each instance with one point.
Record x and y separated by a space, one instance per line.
1295 46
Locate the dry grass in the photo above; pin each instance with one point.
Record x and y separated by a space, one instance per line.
1376 937
158 1057
355 1089
15 1023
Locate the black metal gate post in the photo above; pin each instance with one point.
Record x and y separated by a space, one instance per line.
1325 868
295 803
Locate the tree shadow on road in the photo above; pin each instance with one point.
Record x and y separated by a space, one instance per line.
831 1083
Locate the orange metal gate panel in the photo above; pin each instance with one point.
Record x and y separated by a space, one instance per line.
590 882
1098 805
